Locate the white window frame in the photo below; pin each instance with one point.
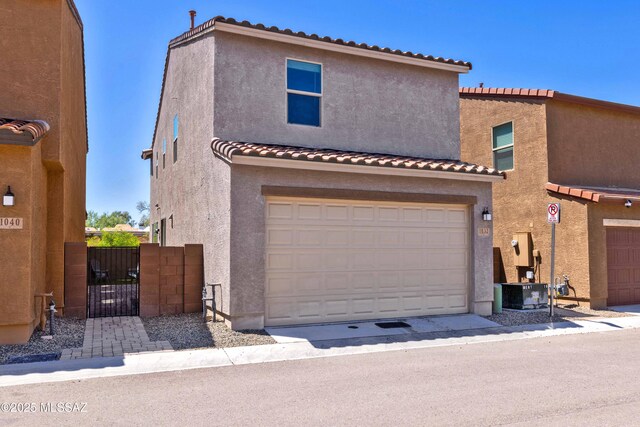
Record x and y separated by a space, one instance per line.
512 146
302 92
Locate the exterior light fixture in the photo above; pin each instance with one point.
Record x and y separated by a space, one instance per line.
9 198
627 203
486 215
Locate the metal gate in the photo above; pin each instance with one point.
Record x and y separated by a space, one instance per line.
113 281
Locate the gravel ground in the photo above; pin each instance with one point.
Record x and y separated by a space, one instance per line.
69 333
562 313
188 331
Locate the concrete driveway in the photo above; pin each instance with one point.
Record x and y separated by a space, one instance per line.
552 381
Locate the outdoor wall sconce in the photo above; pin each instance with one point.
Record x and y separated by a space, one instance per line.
627 203
486 215
9 198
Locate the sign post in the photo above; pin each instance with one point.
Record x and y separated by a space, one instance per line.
553 217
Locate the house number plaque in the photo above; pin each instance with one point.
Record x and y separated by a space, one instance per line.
484 231
11 223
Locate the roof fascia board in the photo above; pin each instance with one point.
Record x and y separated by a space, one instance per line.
371 170
315 44
595 103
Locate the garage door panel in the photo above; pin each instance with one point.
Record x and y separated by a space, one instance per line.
338 261
623 266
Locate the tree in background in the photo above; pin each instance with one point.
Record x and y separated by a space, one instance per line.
108 219
114 238
144 210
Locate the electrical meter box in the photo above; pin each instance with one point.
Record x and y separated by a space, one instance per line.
523 250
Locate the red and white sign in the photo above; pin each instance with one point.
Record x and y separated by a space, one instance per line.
553 213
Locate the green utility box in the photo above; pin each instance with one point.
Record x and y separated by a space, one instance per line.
497 298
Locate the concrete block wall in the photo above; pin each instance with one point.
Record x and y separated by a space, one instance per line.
75 280
170 279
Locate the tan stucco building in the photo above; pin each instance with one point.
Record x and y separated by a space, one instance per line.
43 146
578 151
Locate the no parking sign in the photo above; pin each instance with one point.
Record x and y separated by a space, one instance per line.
553 213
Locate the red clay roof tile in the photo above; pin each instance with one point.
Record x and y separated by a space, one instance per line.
595 194
36 128
211 23
228 149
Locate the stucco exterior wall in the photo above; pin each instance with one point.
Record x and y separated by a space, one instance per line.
48 178
520 202
247 280
367 105
593 146
195 189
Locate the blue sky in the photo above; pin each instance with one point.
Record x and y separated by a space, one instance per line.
589 48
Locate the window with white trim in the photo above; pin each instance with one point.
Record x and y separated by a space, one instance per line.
304 92
503 146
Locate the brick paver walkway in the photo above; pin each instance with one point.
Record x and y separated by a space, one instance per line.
114 336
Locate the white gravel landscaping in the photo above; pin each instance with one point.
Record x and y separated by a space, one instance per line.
563 313
188 331
69 333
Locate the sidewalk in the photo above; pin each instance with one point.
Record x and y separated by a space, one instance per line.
131 364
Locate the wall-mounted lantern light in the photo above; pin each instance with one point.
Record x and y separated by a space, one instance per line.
486 215
9 198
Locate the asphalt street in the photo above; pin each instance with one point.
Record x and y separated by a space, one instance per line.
586 379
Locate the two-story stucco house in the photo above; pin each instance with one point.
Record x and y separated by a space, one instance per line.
580 152
321 175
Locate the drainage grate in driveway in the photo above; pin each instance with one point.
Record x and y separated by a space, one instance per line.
389 325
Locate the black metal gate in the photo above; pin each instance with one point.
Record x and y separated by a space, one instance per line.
113 281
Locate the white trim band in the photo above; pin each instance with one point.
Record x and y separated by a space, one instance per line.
610 222
372 170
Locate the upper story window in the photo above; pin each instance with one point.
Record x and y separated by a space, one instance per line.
175 138
503 146
304 92
151 164
156 157
164 152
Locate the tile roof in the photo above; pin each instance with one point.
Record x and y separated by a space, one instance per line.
501 92
36 128
147 153
211 23
595 194
228 149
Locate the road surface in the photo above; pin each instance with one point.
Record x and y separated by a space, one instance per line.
587 379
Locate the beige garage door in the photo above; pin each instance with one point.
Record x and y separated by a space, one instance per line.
336 260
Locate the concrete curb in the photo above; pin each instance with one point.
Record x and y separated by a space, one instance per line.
163 361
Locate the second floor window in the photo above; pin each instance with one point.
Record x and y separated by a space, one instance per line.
175 138
156 164
503 146
164 152
304 92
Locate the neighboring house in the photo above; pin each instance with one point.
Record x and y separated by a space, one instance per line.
321 175
578 151
43 148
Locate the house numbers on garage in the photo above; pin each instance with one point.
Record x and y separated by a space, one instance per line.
11 223
484 231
